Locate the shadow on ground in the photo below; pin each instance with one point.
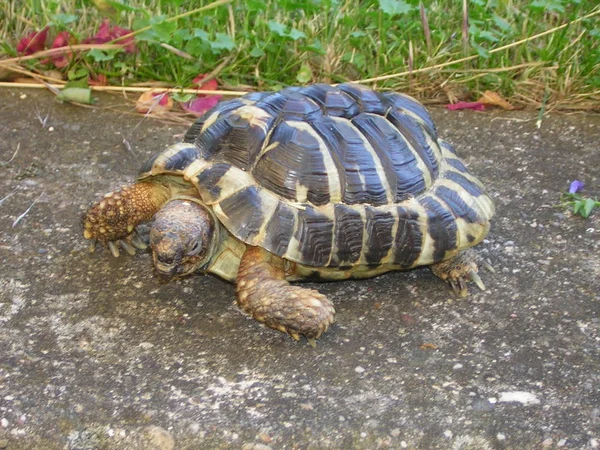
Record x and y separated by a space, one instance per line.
96 354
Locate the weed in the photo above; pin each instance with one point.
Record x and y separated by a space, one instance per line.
274 43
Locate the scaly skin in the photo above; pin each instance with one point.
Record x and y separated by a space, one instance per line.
459 270
264 293
114 218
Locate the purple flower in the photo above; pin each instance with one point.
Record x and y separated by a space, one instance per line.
576 186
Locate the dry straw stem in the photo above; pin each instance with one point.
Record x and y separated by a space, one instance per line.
109 46
469 58
129 89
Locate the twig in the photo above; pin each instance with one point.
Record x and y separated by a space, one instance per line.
58 51
14 154
178 52
128 146
18 219
469 58
8 196
174 18
127 89
43 120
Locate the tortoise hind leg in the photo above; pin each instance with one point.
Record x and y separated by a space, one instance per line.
113 219
264 293
459 270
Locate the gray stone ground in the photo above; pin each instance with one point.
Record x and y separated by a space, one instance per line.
96 354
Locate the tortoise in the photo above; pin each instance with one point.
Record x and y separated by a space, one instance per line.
334 182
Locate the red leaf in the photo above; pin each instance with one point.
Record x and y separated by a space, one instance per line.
476 106
201 104
62 39
33 42
106 33
99 80
103 33
210 85
128 43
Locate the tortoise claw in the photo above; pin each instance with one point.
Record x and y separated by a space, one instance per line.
114 249
474 277
488 267
92 246
137 242
128 247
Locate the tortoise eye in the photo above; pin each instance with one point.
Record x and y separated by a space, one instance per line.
196 248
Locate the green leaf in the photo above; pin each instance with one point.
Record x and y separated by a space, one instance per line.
222 42
316 47
488 36
304 74
281 30
63 19
164 30
147 35
257 52
394 7
181 97
296 34
501 22
77 74
197 47
548 5
201 34
75 94
480 50
277 28
588 206
102 55
358 59
254 5
577 206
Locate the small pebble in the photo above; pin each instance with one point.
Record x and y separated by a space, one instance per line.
359 369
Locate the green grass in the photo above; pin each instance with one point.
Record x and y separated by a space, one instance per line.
270 44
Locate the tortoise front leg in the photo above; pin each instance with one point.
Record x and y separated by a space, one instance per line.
264 293
113 219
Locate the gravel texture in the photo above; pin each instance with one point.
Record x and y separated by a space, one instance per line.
95 353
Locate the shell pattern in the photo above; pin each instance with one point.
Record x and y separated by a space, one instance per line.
332 177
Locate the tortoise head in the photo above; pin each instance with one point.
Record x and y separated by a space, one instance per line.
181 238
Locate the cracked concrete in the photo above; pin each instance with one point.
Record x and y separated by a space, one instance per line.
96 354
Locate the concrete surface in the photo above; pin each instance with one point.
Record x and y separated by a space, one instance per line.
96 354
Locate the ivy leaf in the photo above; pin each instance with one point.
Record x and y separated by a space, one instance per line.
164 30
296 34
394 7
222 42
548 5
257 52
280 30
277 28
201 34
77 74
63 19
102 55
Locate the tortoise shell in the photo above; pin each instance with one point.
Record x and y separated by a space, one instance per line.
332 177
